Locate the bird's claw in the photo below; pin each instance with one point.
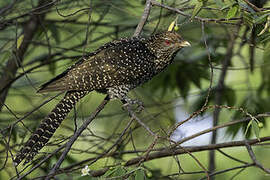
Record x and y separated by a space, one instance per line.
139 105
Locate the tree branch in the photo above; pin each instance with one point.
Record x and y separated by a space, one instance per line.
253 157
170 152
76 135
143 18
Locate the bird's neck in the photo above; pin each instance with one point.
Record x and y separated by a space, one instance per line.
153 45
162 62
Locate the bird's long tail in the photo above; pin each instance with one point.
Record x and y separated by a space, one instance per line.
48 126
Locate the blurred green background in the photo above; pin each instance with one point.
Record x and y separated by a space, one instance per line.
71 29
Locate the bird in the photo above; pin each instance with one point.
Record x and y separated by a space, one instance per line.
115 68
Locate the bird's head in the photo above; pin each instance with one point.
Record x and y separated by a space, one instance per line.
166 43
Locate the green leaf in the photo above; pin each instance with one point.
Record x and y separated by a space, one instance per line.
229 5
87 178
117 171
219 3
232 12
120 171
139 174
265 37
266 26
197 9
20 40
172 25
5 55
248 19
109 172
248 126
256 129
261 19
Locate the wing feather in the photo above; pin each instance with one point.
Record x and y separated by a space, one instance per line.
109 66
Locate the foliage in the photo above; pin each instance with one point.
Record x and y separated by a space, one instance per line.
228 65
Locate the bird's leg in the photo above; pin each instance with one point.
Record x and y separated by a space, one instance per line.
120 93
127 102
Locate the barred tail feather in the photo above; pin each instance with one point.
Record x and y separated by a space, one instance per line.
48 126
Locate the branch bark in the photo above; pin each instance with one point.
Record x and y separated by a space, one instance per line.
170 152
143 18
253 158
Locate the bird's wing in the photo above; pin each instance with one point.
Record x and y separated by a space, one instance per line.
112 66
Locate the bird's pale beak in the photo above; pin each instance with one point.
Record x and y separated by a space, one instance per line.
184 44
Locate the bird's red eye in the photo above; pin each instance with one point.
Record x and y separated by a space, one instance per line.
167 42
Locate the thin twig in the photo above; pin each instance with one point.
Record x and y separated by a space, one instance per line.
231 157
253 158
168 152
255 8
229 169
133 115
143 18
222 20
211 129
210 65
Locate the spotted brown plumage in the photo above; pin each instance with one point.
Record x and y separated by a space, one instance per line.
115 68
48 126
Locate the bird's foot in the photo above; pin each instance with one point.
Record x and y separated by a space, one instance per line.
129 102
